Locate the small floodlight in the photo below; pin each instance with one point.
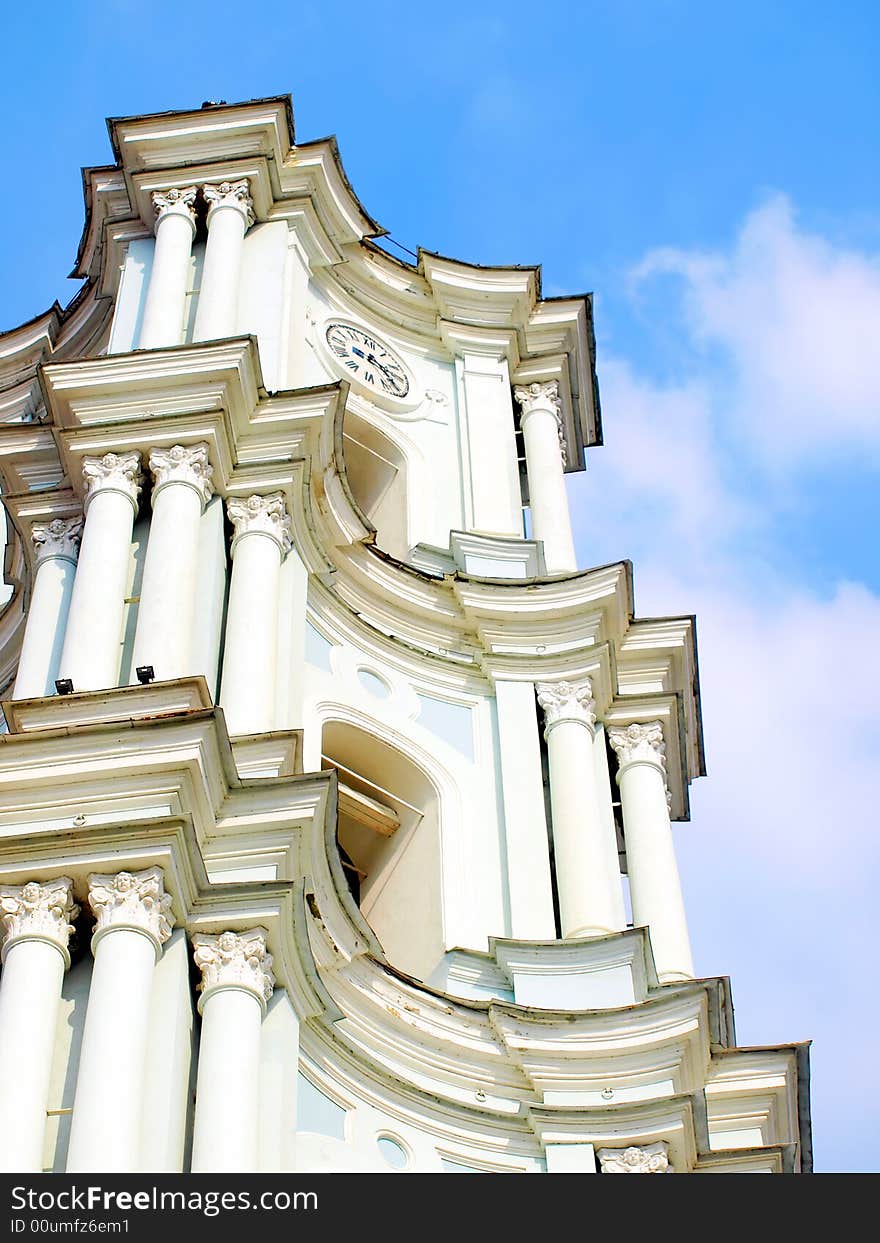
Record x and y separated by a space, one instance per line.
145 674
64 686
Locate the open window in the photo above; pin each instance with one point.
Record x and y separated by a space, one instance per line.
389 844
376 471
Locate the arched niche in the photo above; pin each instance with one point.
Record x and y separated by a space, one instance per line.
390 844
377 476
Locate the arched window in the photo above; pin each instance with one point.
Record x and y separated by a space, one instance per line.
389 844
376 470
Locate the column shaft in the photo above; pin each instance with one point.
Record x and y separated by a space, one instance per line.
229 215
30 992
56 548
36 919
226 1129
548 499
655 888
91 653
166 294
133 924
588 906
237 981
168 589
105 1131
262 536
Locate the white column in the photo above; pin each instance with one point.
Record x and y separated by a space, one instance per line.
230 215
589 903
55 544
541 423
91 653
181 489
37 919
530 889
655 889
133 923
237 981
166 294
262 537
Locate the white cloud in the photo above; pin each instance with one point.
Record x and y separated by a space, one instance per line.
799 319
781 864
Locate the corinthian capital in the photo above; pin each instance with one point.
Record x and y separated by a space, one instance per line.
566 701
43 912
114 472
261 515
235 960
186 464
635 743
235 194
58 538
647 1159
175 202
132 900
543 396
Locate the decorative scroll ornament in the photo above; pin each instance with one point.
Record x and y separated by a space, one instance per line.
44 911
132 900
649 1159
187 464
640 744
235 960
263 515
114 472
235 194
543 396
179 202
566 701
58 538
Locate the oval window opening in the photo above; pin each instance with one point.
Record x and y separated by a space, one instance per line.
392 1152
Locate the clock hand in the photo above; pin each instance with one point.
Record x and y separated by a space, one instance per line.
360 353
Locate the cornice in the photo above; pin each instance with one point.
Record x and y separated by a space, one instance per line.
444 1060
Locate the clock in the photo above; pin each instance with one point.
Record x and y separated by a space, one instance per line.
366 360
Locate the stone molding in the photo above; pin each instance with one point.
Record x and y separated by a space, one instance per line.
184 464
543 396
175 202
647 1159
261 515
641 744
234 960
58 538
114 472
132 900
236 194
38 911
566 701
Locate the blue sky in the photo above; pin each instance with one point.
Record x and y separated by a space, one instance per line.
711 172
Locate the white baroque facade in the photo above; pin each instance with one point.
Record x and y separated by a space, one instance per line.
336 808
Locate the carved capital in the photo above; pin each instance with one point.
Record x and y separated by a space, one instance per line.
566 701
58 538
114 472
175 202
185 464
543 396
235 194
38 912
235 960
261 515
647 1159
135 900
639 743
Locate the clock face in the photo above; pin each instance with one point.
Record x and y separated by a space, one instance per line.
367 360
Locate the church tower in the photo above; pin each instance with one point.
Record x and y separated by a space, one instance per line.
336 797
